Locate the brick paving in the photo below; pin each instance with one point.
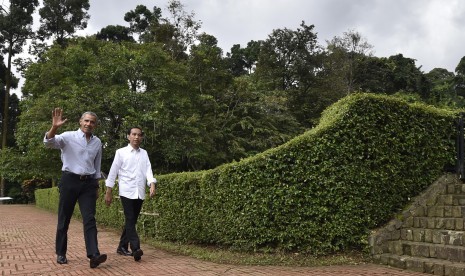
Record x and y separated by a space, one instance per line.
27 242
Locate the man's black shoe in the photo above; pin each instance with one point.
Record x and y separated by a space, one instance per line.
137 254
62 259
123 251
98 259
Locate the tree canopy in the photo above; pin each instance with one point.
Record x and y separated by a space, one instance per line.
62 18
199 105
15 29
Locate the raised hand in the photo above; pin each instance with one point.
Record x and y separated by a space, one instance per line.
57 117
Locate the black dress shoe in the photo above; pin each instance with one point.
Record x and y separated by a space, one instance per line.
123 251
137 254
98 259
62 259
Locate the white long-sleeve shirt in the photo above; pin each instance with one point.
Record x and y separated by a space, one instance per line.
133 169
78 155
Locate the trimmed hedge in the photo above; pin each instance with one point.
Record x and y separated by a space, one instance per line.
319 193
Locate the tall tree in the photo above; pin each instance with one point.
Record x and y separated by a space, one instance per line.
243 60
125 83
185 28
15 28
254 120
176 32
345 53
141 19
290 61
290 58
406 76
442 90
114 33
210 79
62 18
235 118
236 60
13 106
459 79
251 54
374 75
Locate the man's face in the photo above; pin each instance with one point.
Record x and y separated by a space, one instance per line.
135 137
88 123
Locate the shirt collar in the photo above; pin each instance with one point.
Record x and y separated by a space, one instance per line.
82 134
131 149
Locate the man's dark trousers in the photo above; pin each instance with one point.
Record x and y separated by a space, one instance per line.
72 190
131 209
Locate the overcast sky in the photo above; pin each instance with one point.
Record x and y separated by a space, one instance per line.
430 31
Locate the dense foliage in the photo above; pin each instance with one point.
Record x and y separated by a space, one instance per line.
199 107
187 127
321 192
15 28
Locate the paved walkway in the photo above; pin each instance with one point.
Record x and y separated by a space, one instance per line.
27 242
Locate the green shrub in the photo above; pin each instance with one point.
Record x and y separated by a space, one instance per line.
319 193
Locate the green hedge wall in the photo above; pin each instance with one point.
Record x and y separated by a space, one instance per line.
319 193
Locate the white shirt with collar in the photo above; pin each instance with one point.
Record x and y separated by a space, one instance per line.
78 155
134 171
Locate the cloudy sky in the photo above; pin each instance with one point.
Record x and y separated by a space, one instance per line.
430 31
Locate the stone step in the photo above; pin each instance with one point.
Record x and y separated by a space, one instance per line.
422 249
451 253
421 264
450 200
435 236
454 189
448 223
445 211
429 236
440 211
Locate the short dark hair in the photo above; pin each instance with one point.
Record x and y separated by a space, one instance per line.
91 114
131 128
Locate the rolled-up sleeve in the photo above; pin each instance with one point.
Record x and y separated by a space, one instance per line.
54 143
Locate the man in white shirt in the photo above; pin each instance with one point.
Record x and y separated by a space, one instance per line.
133 169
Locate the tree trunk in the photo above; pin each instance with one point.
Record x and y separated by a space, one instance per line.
5 115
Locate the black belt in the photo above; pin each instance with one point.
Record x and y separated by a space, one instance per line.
79 176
